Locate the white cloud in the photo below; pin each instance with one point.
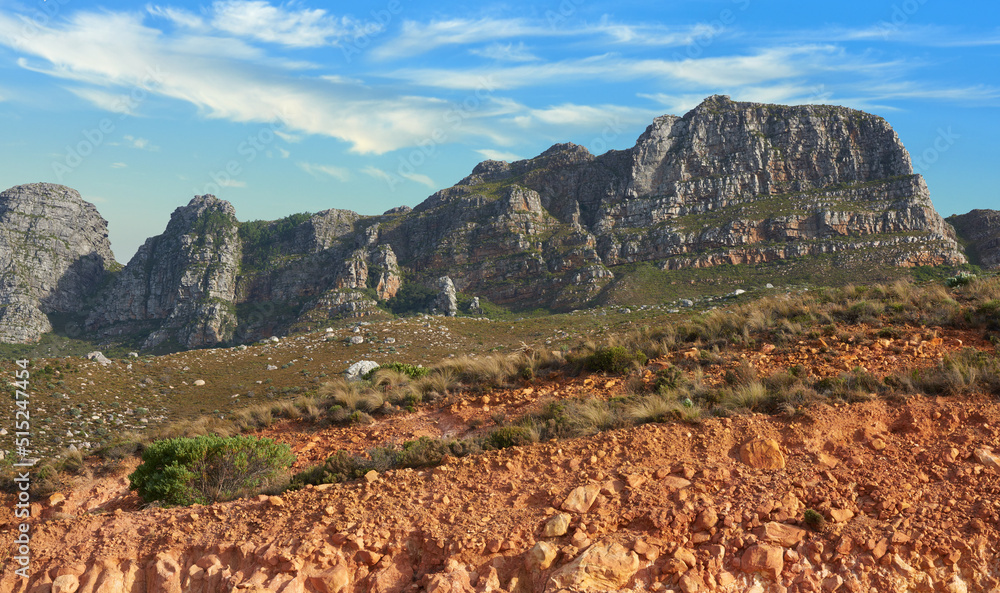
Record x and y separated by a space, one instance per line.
116 52
417 38
377 173
283 25
506 53
498 155
333 171
765 65
284 153
422 179
118 165
232 183
140 143
178 16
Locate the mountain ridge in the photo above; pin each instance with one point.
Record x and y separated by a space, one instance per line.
727 183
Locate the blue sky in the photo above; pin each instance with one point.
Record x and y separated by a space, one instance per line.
302 106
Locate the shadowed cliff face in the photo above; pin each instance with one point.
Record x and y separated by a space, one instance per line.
980 229
727 183
54 253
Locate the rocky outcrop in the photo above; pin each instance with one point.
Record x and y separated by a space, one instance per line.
980 231
447 299
54 254
179 285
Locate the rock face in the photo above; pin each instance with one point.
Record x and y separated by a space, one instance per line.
980 229
179 285
54 254
728 183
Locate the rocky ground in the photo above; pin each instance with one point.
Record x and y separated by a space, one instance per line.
906 494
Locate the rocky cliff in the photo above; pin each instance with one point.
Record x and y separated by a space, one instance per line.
179 285
54 253
980 231
727 183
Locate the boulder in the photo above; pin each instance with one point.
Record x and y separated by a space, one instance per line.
762 454
557 525
359 369
602 567
763 559
581 498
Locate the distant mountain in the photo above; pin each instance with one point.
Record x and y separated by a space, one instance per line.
728 183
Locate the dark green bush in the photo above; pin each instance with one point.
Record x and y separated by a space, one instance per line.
510 436
208 469
412 298
616 360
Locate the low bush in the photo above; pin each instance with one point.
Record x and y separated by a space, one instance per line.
615 359
208 469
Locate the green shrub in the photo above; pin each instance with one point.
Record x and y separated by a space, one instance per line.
410 370
510 436
814 519
412 298
616 360
206 469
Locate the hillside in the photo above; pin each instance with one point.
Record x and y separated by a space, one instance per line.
840 440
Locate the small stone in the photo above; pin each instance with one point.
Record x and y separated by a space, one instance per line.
581 498
833 582
841 515
372 476
988 458
66 583
764 559
199 382
762 454
557 526
275 501
541 556
781 533
706 520
676 483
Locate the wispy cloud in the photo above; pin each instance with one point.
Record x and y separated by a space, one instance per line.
140 143
418 38
117 52
232 183
118 165
376 173
506 53
754 68
419 178
316 170
283 25
498 155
